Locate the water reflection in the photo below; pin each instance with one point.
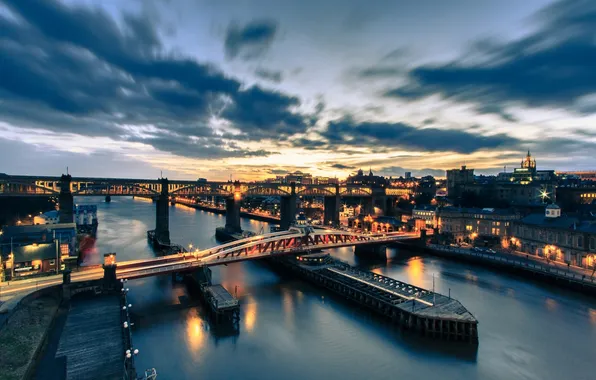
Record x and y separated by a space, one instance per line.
250 313
288 307
592 316
415 271
551 304
196 331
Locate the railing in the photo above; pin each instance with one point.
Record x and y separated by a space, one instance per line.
519 264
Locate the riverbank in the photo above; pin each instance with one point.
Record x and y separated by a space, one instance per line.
526 267
222 211
23 336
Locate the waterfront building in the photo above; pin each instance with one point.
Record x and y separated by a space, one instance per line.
427 213
466 224
556 236
50 217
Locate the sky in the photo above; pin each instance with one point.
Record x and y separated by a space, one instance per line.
242 89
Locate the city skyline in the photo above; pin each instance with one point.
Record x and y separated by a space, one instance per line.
213 89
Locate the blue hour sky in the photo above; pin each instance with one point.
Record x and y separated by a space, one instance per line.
257 88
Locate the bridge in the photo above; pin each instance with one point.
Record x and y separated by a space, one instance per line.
251 248
163 190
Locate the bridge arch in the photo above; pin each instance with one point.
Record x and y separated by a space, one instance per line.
264 190
202 189
114 189
315 191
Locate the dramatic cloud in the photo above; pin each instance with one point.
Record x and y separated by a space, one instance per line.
260 114
376 135
270 75
249 41
84 74
553 67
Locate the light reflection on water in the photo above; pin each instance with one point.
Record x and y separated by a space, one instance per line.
292 330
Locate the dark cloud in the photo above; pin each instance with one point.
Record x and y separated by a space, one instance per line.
342 166
398 171
85 74
309 144
381 72
270 75
375 135
260 113
277 171
251 40
553 67
496 110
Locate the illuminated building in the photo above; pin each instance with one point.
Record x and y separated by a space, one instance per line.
556 236
463 223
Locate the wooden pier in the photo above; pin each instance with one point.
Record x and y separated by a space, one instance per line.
92 341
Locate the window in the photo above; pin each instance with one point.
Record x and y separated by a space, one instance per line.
593 243
52 262
468 228
64 249
580 241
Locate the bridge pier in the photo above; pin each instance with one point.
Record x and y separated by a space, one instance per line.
371 251
331 211
108 198
162 214
66 200
233 214
287 209
110 282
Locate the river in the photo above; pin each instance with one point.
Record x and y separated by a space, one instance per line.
292 330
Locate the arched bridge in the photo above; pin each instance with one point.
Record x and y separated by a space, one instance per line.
257 247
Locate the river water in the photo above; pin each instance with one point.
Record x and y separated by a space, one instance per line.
292 330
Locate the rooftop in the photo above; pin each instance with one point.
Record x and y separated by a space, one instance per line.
563 222
34 252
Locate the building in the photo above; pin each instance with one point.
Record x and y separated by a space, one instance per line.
408 175
527 172
458 179
467 224
556 236
33 259
366 179
571 198
427 213
33 249
64 233
50 217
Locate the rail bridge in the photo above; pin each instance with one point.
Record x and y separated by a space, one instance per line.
162 190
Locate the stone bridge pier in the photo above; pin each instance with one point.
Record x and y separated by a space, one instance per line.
66 200
371 251
162 214
331 211
287 208
233 210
